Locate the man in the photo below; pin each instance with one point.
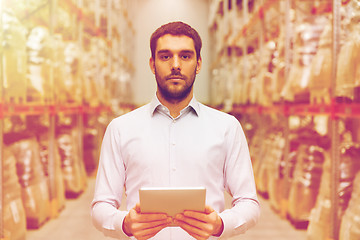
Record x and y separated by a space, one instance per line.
175 141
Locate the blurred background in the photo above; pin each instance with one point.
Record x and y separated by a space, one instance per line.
288 70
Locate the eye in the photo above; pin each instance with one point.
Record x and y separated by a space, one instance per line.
186 56
164 57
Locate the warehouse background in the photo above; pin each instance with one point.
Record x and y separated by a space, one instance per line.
287 69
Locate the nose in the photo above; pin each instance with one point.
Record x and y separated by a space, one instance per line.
176 63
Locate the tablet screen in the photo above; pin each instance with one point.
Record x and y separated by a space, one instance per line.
172 200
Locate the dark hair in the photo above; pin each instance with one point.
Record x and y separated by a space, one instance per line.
176 29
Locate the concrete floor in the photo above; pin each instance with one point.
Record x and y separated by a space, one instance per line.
74 223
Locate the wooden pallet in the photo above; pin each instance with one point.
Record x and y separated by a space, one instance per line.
298 223
35 223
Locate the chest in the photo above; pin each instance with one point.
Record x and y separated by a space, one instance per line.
166 149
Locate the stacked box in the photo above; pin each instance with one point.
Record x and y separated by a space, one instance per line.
73 170
14 212
14 59
34 186
350 224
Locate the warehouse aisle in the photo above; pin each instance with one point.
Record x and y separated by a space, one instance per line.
74 223
272 226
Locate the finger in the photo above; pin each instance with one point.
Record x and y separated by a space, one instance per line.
191 229
142 230
208 209
146 235
148 225
137 208
152 230
145 217
196 215
206 225
192 222
150 217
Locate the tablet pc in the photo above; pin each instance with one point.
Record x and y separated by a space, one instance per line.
172 200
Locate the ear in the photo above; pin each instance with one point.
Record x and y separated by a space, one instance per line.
152 65
198 65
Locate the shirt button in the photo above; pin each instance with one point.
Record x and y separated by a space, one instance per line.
173 169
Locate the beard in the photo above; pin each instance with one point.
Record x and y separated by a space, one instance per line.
177 92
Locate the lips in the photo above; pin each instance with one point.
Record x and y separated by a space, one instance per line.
176 77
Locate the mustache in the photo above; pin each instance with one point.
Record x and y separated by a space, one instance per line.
175 76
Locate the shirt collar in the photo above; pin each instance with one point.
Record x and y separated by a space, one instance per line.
155 104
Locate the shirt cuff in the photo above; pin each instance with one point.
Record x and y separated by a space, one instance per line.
109 220
119 221
231 227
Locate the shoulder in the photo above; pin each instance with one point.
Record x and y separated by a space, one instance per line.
132 117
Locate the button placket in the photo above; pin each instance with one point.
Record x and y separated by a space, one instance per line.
172 146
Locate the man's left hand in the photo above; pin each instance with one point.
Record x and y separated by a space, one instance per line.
200 225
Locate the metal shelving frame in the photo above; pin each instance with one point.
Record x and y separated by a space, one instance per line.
334 132
52 108
2 234
284 110
51 130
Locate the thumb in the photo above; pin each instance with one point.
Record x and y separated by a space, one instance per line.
208 209
137 208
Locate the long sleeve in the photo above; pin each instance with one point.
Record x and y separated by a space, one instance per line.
240 183
109 187
147 148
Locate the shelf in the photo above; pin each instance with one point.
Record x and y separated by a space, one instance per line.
94 28
282 22
258 14
31 109
87 19
335 110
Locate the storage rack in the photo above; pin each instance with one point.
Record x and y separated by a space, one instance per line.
231 42
2 235
84 23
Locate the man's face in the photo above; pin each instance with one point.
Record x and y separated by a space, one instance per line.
175 66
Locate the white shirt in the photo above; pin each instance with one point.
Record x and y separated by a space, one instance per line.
148 148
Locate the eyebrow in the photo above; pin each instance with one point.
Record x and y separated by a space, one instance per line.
182 51
188 51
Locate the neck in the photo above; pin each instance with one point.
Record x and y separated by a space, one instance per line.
175 105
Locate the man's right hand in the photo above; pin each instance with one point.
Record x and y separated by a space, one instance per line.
146 225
